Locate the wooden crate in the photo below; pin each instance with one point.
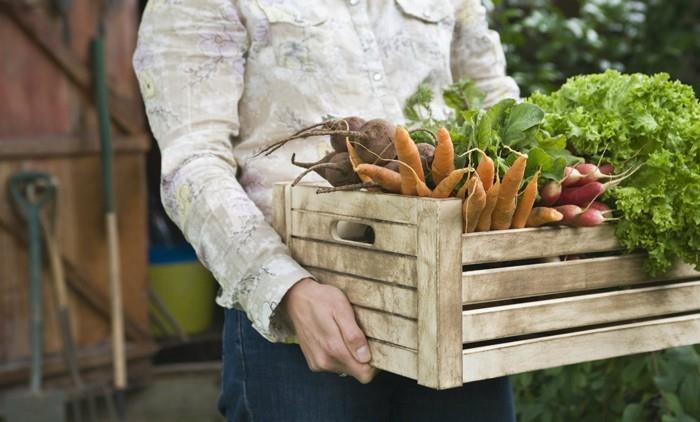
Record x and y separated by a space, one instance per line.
445 308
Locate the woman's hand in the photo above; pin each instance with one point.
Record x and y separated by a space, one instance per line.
328 334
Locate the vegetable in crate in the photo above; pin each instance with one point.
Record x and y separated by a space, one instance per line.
629 120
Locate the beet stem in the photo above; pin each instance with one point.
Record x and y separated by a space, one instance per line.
279 144
355 186
332 166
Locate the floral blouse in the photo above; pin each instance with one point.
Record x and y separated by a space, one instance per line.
221 79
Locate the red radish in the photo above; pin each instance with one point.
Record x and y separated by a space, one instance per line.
600 207
591 217
590 173
581 195
607 169
570 213
571 176
550 193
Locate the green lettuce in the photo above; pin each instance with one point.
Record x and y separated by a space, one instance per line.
630 120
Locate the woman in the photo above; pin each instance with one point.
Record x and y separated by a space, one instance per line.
221 79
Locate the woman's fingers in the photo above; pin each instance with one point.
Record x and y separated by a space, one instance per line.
353 336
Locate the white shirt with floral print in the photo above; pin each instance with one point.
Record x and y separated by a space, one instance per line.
222 79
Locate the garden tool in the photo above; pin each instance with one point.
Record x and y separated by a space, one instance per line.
118 341
31 190
80 392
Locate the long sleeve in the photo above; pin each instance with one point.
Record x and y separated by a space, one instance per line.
477 53
190 63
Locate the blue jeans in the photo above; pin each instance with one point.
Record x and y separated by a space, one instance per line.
267 382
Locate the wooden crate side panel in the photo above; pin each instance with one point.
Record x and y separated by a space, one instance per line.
388 237
558 277
387 267
579 311
439 266
388 328
394 359
541 242
371 294
548 352
376 206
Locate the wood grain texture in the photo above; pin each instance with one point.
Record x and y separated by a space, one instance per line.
583 346
439 266
394 299
558 277
370 205
279 210
82 239
390 268
394 359
536 243
388 237
388 328
579 311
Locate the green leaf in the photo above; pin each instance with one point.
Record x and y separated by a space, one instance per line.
633 412
673 403
520 119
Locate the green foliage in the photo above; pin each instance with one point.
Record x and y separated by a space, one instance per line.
547 41
658 386
638 120
500 131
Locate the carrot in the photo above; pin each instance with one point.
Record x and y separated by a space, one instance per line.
444 189
505 205
474 204
407 152
388 179
355 160
540 216
462 192
444 157
484 223
486 171
527 200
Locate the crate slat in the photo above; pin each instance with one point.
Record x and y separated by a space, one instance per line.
583 346
371 294
388 328
539 242
387 267
388 237
578 311
377 206
395 359
438 269
559 277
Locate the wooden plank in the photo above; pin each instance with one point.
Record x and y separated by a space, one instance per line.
583 346
123 111
389 328
578 311
391 268
439 267
370 205
518 244
388 237
394 299
394 359
279 210
557 277
68 145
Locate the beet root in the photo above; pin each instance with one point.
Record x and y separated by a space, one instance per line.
427 152
352 123
377 142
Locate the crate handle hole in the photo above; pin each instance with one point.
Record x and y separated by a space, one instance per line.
353 232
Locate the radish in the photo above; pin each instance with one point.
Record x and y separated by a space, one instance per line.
591 217
550 193
581 195
570 213
571 176
607 169
590 173
604 208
